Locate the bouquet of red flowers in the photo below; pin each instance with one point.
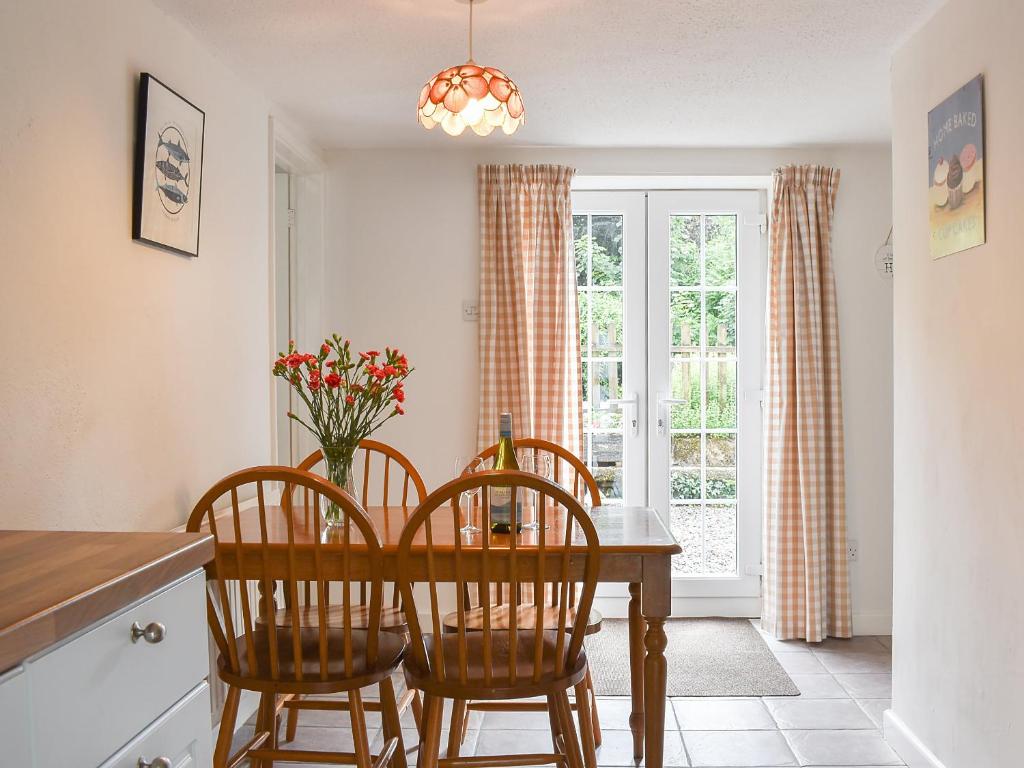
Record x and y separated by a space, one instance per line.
347 396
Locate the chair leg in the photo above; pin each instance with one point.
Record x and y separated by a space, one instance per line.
417 709
430 733
570 742
266 720
593 709
586 725
456 727
222 752
358 718
554 723
392 721
292 723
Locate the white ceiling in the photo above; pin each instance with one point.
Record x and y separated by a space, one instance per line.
637 73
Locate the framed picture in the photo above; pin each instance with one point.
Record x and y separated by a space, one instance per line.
168 169
956 178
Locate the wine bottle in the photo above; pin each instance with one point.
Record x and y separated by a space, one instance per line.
501 496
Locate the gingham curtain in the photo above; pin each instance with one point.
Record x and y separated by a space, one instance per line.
806 589
529 321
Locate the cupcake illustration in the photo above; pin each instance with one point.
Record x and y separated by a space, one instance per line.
954 182
972 171
940 193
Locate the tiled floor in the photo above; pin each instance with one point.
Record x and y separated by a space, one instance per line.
835 722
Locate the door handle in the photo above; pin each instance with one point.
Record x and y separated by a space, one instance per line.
622 404
663 411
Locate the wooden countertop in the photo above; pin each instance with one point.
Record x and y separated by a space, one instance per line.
54 583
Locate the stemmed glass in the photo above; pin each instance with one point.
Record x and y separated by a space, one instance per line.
536 464
466 466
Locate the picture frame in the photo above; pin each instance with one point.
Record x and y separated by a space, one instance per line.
168 169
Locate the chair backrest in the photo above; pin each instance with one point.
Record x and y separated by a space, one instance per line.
529 566
403 475
235 578
581 477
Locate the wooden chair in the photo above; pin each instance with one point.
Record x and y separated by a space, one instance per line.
398 470
286 657
570 472
523 657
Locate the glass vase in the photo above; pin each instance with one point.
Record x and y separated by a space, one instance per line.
338 463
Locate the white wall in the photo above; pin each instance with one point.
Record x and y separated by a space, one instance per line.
959 418
403 245
134 378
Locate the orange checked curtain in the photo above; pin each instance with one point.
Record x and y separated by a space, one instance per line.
806 589
529 321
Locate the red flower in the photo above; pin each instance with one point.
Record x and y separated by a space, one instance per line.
333 380
332 363
399 410
390 370
399 394
350 400
294 360
325 348
314 381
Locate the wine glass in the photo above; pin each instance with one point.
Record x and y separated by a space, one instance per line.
536 464
466 466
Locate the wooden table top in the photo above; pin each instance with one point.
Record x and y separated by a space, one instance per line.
54 583
624 530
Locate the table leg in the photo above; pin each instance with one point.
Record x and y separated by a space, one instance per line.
636 670
656 600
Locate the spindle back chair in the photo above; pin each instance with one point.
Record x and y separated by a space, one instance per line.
275 653
524 656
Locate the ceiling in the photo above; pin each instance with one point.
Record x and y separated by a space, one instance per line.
608 73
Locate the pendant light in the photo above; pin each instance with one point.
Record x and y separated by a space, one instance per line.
471 96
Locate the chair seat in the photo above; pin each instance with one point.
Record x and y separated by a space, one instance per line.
501 685
391 619
526 617
255 672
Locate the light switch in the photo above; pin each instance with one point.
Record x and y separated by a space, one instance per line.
470 311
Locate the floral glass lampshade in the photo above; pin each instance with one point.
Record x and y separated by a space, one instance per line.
471 96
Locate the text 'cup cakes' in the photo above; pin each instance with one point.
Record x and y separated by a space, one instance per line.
954 181
940 193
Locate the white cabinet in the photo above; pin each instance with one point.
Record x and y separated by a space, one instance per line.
14 717
130 687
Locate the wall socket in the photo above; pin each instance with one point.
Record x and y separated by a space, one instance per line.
470 311
852 551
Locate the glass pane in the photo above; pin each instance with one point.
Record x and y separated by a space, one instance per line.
684 250
606 250
606 323
586 387
720 250
685 522
720 540
721 450
607 386
686 386
721 323
685 484
721 483
580 246
721 394
684 314
609 482
583 299
686 450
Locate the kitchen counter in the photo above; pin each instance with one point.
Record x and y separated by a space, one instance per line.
55 583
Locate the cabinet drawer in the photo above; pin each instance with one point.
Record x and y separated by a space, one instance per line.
182 735
95 693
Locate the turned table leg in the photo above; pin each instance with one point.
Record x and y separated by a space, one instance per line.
636 670
656 604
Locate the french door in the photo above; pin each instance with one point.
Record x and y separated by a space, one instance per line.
671 287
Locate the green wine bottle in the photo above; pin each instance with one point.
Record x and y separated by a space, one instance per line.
501 496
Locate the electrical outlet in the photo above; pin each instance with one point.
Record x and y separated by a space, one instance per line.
851 550
470 311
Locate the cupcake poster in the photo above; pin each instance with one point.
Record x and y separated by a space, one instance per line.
956 180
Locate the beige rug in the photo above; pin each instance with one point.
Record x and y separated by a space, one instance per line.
706 657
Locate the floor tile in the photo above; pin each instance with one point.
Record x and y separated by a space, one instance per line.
516 721
818 687
818 714
321 718
617 749
614 713
722 715
736 749
801 663
885 640
866 686
411 738
834 748
324 739
845 662
875 709
859 644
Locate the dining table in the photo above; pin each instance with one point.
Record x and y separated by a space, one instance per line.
636 549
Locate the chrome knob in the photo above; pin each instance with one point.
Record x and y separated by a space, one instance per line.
156 762
152 633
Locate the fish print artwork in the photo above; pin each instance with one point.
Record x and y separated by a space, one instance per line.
168 169
172 169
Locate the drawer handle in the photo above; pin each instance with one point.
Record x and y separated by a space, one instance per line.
152 633
156 762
